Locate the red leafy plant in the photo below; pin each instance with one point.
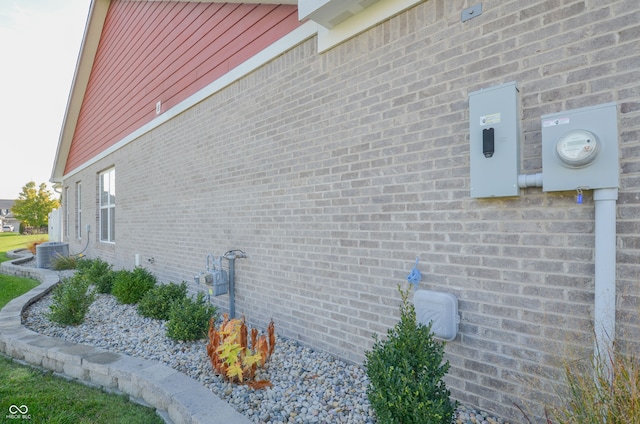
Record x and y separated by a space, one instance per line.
232 357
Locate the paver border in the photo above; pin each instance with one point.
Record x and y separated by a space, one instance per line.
177 398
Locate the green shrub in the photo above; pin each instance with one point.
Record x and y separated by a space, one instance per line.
406 373
130 286
71 301
156 303
100 273
83 263
189 318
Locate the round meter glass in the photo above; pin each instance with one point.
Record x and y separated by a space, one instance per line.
577 148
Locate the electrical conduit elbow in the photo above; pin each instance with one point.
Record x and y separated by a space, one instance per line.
530 180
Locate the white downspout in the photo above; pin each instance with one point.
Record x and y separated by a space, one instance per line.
604 321
605 261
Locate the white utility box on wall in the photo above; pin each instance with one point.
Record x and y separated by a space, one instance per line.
494 136
440 309
580 149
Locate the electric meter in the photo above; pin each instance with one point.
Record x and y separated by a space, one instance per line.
577 148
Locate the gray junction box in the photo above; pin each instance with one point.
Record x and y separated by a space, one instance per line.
494 136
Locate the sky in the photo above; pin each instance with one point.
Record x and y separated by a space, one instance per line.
39 45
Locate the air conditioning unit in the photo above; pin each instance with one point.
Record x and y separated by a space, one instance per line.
330 13
45 252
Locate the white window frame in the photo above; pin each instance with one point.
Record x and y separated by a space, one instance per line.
67 206
107 201
79 210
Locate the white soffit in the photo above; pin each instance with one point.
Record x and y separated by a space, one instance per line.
330 13
378 11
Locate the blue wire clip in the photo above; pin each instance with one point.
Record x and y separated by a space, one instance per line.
579 197
414 276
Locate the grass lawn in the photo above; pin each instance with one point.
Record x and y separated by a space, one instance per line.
50 399
12 241
12 287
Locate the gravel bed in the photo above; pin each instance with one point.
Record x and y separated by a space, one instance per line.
308 386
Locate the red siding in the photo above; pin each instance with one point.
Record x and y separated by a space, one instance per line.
165 51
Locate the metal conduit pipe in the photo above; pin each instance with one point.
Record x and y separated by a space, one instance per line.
231 256
530 180
605 264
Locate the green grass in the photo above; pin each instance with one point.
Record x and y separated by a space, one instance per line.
51 399
13 241
12 287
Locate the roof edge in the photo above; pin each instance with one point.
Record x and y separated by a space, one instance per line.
86 56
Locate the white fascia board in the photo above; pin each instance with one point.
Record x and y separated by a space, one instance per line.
86 56
295 37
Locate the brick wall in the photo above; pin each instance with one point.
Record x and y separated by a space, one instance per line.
333 171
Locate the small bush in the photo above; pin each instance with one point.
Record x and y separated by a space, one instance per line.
71 301
406 373
83 263
130 286
156 303
189 318
605 389
61 263
100 273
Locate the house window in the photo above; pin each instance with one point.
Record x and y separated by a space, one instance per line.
79 210
66 212
108 206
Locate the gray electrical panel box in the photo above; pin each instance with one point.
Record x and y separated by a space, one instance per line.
580 149
494 152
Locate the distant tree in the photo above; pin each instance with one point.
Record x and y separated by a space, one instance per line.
34 205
